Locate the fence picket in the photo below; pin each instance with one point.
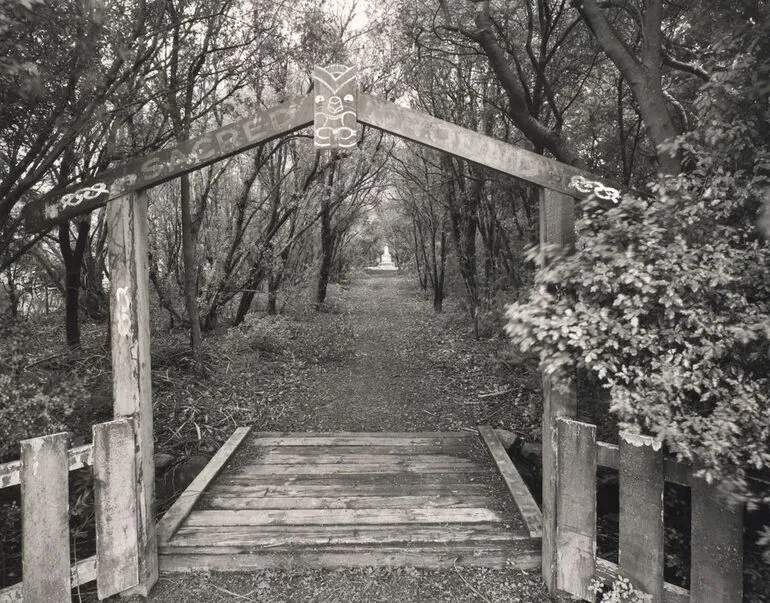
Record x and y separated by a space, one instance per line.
45 518
716 573
117 549
641 513
576 508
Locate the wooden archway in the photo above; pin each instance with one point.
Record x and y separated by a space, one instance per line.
334 108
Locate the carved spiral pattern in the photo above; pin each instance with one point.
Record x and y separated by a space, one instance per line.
122 184
583 185
87 193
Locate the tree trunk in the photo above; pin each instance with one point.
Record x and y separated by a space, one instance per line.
327 250
463 203
73 262
247 297
13 298
276 279
422 269
190 273
537 133
327 241
642 73
439 270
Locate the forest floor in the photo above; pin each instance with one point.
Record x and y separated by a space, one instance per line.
376 358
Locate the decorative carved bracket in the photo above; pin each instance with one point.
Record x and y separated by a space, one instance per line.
583 185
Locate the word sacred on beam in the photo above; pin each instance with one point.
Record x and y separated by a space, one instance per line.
496 154
167 164
335 89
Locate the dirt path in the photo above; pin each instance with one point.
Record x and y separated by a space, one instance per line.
388 363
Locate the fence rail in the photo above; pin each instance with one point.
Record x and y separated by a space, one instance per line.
716 563
43 473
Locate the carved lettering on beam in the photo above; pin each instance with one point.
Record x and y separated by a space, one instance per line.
335 107
165 164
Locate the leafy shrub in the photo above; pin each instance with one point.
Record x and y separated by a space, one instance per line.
620 591
31 404
667 299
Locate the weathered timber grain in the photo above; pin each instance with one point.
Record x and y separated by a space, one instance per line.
45 518
386 466
284 501
301 535
363 478
461 142
521 495
608 455
127 227
77 458
326 488
81 572
117 540
456 450
340 517
557 230
363 457
716 573
174 517
641 513
166 164
576 508
359 439
212 502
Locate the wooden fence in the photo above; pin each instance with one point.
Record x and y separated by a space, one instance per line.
43 472
716 573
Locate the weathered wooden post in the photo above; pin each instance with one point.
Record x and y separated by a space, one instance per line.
45 512
716 573
557 228
640 541
130 334
576 508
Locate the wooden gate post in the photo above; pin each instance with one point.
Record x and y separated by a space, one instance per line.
130 334
557 228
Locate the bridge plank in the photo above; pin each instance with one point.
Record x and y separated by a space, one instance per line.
218 501
326 517
301 490
271 536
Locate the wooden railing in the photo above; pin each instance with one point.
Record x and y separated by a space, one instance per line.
43 473
716 563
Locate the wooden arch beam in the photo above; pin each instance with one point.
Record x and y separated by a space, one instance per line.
479 148
167 164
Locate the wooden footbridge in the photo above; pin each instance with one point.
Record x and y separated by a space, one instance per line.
280 500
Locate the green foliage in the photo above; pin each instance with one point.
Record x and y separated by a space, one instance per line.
667 299
18 77
620 591
31 404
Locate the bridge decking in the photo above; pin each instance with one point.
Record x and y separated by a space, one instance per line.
271 500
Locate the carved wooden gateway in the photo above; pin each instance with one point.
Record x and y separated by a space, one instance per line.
335 109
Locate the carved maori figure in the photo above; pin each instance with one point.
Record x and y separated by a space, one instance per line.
335 107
